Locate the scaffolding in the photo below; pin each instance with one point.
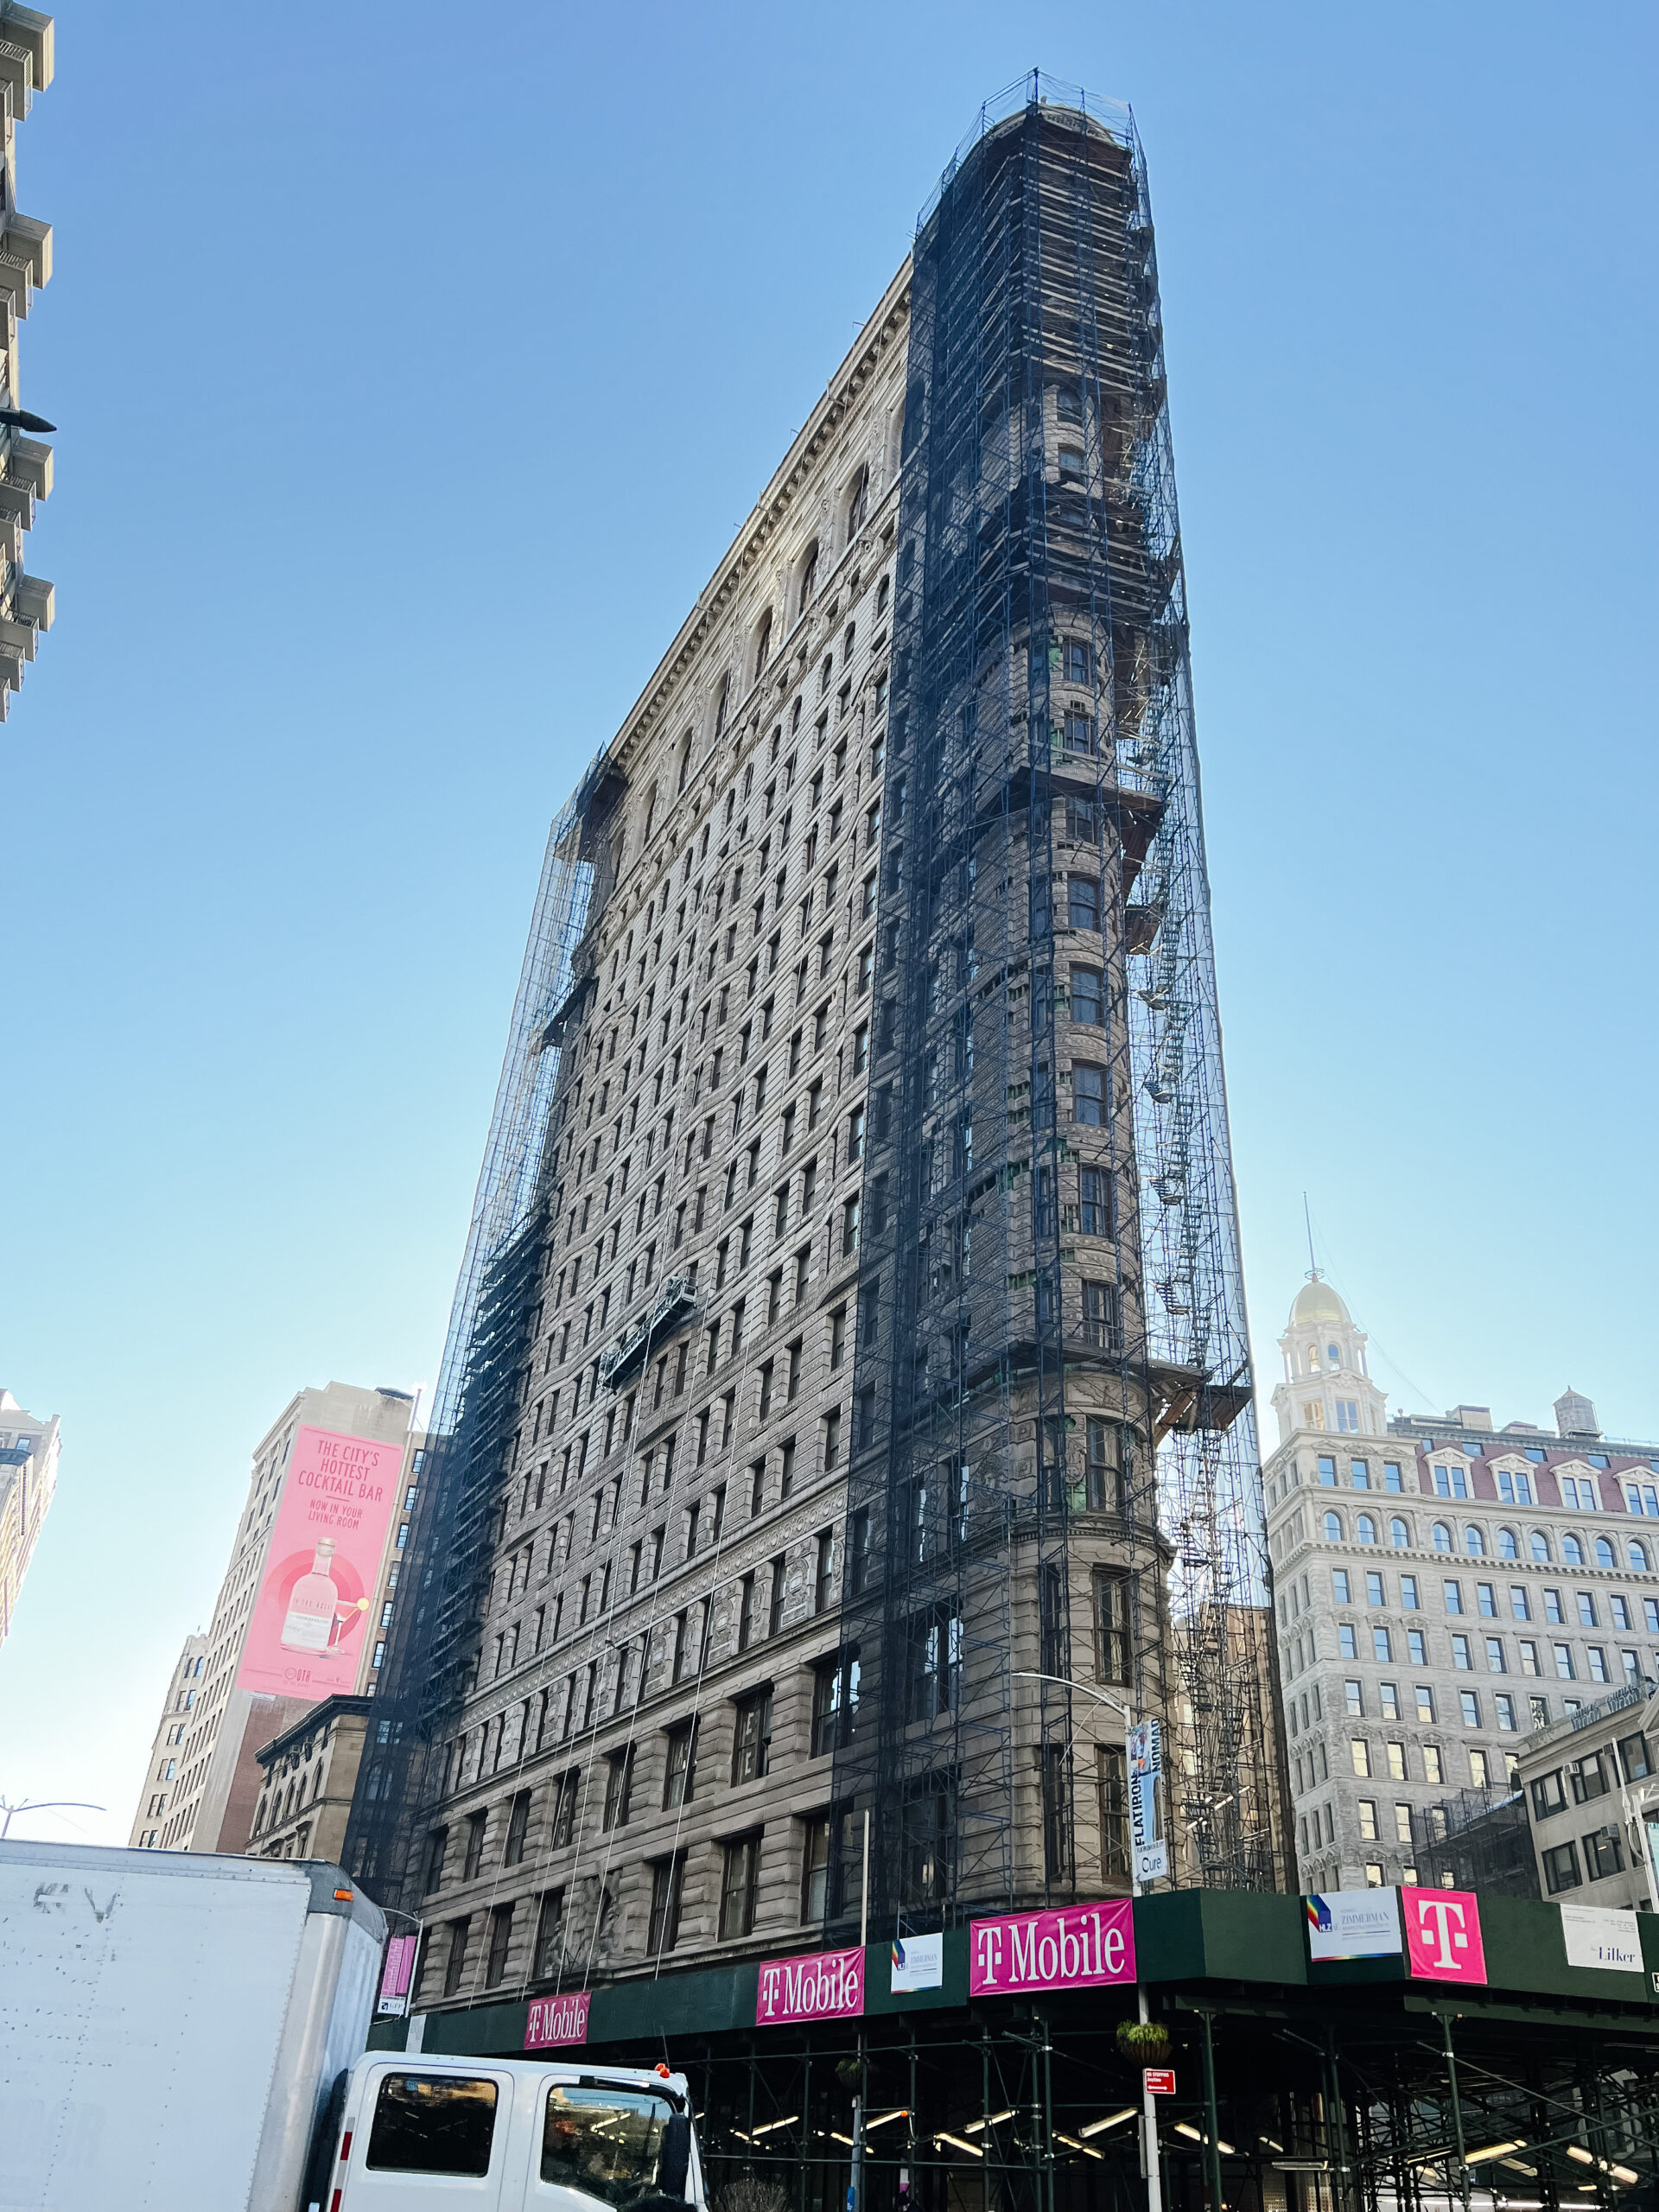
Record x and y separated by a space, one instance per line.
440 1609
1051 1383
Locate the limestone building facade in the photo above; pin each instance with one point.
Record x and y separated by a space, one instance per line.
1443 1590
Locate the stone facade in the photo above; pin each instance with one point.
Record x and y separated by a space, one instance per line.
1444 1589
309 1773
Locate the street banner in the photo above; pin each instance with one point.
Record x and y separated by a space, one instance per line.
1353 1924
1086 1947
917 1963
1598 1937
1443 1935
821 1985
555 2020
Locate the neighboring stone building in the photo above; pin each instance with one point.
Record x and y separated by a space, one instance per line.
1590 1787
311 1771
167 1754
1444 1589
27 603
850 1347
28 1477
207 1802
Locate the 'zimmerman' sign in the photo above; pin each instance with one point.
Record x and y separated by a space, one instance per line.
1085 1947
823 1985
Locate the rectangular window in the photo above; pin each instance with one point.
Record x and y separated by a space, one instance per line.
1561 1868
752 1738
1113 1789
1082 902
1339 1586
740 1886
1368 1819
1424 1705
1360 1753
1469 1703
1354 1690
1087 1001
824 1571
495 1966
818 1860
1604 1854
619 1787
475 1855
1382 1648
1089 1093
662 1931
455 1965
1408 1598
1347 1640
518 1829
1504 1705
1460 1656
549 1936
1453 1592
1112 1655
680 1776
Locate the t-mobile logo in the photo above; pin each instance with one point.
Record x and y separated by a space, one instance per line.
1443 1935
1449 1934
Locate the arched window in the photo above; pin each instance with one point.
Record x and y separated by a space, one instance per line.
1606 1556
724 702
1509 1544
1365 1529
1442 1537
1399 1535
763 642
686 764
650 813
1333 1527
1572 1551
808 578
1540 1544
857 504
1474 1543
1639 1556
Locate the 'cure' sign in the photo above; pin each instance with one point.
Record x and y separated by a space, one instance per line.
823 1986
1086 1948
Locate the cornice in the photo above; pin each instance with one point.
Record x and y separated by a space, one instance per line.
769 514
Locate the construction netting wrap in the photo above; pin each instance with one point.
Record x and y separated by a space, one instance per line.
1054 1516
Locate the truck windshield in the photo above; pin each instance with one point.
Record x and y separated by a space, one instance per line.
603 2142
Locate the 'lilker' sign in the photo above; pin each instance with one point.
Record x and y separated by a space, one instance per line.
824 1985
1085 1947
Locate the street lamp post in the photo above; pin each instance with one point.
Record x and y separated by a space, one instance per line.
1148 2106
44 1805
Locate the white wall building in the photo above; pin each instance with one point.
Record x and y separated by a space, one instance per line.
1443 1589
28 1475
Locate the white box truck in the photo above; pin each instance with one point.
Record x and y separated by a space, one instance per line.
172 2026
187 2031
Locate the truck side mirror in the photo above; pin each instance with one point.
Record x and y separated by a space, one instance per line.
674 2159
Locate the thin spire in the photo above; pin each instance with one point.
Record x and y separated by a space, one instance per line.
1312 1264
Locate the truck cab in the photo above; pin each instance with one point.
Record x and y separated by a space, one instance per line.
420 2132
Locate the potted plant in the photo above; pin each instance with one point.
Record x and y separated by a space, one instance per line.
1143 2043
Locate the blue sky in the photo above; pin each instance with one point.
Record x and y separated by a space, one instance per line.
413 371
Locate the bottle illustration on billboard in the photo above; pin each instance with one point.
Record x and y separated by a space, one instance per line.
309 1623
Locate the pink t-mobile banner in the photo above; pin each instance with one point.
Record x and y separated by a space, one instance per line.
310 1617
1087 1946
1443 1935
558 2019
823 1985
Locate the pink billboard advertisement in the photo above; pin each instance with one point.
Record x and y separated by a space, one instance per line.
1443 1942
555 2020
1088 1946
823 1985
310 1618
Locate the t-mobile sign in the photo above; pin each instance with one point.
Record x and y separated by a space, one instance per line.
1085 1947
558 2019
1443 1935
823 1985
